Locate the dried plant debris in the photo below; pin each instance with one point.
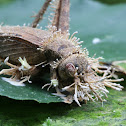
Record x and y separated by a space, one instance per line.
75 76
120 66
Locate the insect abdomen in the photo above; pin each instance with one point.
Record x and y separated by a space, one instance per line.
60 48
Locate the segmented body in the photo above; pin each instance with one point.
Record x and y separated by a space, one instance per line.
19 41
71 69
36 46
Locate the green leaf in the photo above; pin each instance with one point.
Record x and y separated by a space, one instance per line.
30 113
27 92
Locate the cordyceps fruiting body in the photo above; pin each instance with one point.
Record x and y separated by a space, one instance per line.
71 69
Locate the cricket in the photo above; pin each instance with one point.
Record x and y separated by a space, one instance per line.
30 51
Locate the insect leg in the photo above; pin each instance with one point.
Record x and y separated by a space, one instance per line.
55 21
61 16
40 14
64 16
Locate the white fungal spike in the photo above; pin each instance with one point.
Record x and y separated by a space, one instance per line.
13 82
19 74
80 42
73 34
54 83
40 64
93 86
75 96
24 64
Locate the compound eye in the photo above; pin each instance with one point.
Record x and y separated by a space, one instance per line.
70 68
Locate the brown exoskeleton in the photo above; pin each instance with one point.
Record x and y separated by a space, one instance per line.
71 69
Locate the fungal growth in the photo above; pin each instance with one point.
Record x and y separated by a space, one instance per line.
78 74
75 76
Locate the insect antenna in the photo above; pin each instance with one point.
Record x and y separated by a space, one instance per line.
40 14
61 16
57 6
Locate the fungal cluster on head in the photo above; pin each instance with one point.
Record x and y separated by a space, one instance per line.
73 66
78 74
85 84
